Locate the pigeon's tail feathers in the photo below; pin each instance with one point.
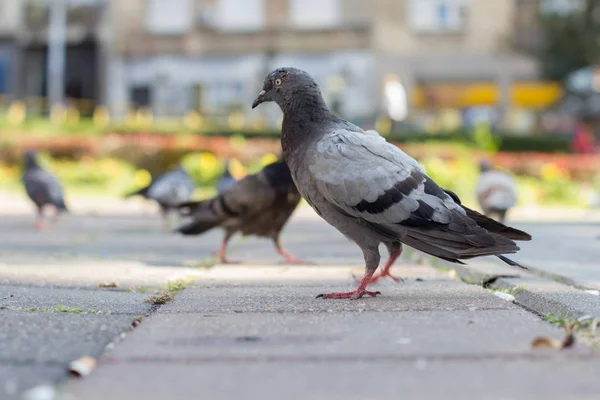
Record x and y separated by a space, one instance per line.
205 215
451 247
493 226
197 226
141 192
60 205
510 262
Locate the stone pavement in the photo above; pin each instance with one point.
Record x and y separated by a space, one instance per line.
256 330
247 337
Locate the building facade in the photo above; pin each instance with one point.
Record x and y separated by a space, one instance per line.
211 55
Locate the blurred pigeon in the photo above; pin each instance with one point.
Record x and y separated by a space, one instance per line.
496 191
168 190
370 190
259 204
226 181
43 189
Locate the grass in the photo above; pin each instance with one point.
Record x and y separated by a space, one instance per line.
61 308
171 289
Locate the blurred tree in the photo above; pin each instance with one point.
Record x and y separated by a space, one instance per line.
572 39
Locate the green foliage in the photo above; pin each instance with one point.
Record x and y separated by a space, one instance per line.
484 139
571 41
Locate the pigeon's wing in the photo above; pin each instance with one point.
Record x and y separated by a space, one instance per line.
373 181
249 196
369 178
43 188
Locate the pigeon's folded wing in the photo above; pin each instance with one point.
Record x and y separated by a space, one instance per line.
367 177
371 180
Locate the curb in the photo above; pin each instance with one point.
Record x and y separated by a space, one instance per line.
535 293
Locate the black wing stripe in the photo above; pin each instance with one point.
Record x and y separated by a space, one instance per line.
391 196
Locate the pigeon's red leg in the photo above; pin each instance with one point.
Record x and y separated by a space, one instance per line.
358 293
223 250
288 257
395 251
39 221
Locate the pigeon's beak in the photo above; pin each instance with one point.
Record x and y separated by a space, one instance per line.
259 99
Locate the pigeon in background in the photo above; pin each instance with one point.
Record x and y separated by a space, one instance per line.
496 191
226 181
168 190
258 204
372 191
43 189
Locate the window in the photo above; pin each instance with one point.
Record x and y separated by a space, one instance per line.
240 15
437 15
314 14
169 16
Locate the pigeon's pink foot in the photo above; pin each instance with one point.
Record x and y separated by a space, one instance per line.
357 294
40 225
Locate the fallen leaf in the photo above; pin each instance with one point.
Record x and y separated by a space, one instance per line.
83 366
543 342
107 284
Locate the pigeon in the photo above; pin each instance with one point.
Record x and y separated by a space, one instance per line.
372 191
43 189
168 190
496 191
226 181
258 204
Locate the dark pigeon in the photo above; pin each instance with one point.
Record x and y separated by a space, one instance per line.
226 181
168 190
43 189
370 190
259 205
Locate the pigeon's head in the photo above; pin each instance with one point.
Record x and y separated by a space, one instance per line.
288 86
485 166
30 159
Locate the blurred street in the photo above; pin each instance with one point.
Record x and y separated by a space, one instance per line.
236 327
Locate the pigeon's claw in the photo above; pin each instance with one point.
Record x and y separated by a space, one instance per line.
357 294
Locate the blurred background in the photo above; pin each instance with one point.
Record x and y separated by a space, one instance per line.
112 92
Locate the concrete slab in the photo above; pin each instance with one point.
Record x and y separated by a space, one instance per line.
323 335
410 296
14 379
89 301
30 337
552 377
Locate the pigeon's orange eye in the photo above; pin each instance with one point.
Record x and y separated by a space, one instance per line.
278 82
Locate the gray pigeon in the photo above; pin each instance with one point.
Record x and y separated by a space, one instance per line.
226 181
168 190
43 189
259 204
496 191
370 190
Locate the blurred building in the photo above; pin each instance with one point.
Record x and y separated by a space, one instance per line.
462 59
10 16
211 55
83 73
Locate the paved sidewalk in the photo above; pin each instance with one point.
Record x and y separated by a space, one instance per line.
257 331
252 338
